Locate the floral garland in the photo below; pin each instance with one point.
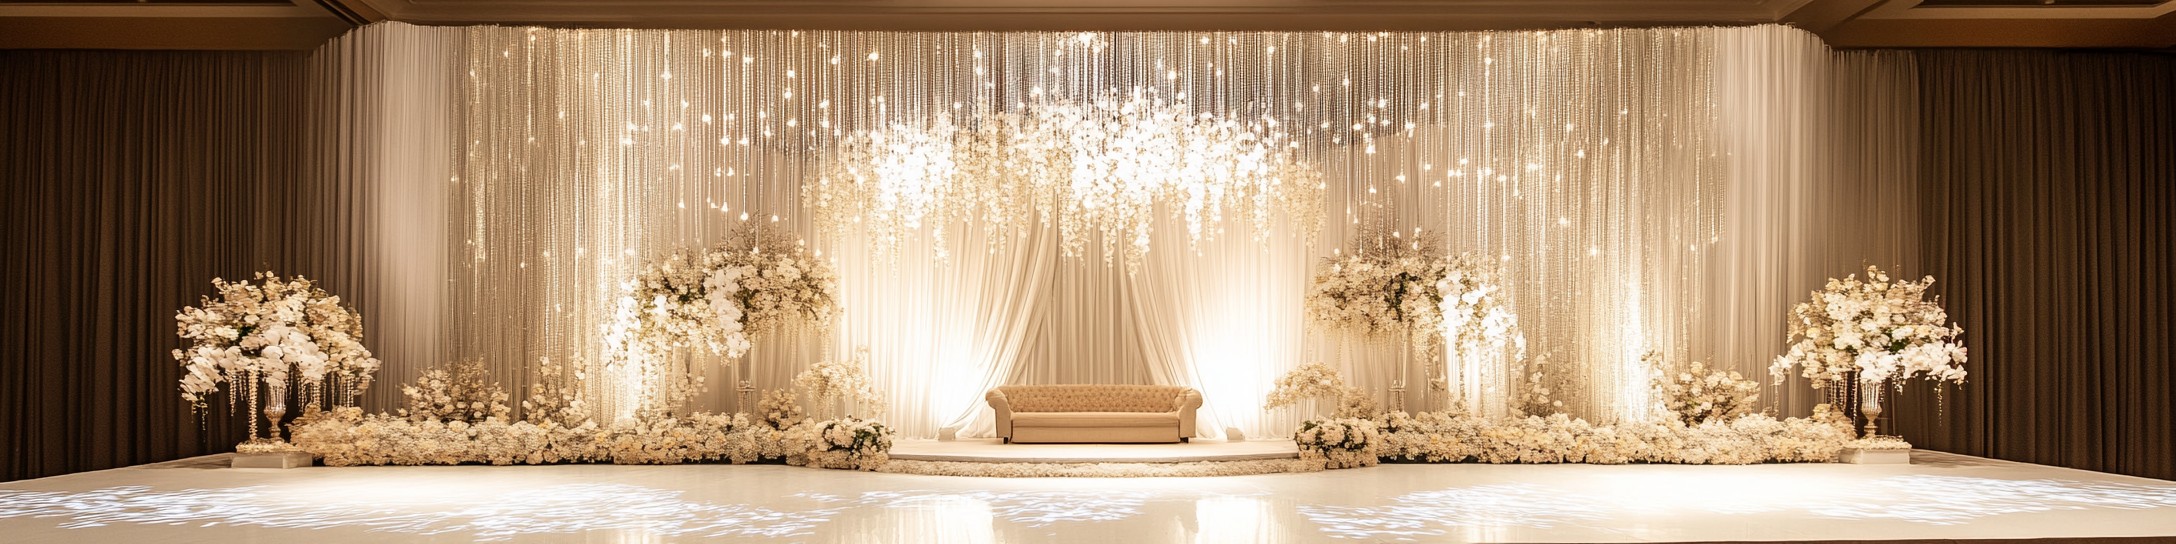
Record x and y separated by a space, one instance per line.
1875 330
265 329
720 300
1339 442
847 378
1695 395
346 437
1437 437
1100 166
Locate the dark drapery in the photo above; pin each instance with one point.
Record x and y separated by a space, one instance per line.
128 180
2048 186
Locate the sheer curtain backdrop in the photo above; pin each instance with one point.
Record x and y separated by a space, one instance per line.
1647 189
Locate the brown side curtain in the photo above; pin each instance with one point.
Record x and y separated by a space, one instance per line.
130 180
2048 186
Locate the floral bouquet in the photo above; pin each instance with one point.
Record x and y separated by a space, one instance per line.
1318 381
1386 293
847 378
557 395
849 443
1695 395
1876 330
779 409
1339 442
1474 312
266 328
720 299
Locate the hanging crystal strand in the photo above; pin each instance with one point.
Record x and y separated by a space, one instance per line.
251 376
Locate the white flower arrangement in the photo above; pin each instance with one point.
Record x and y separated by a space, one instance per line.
347 437
1695 395
1437 437
1339 442
1879 442
1537 395
720 300
849 444
1385 292
779 409
844 378
557 395
1318 380
266 328
1473 310
1096 167
1873 330
460 395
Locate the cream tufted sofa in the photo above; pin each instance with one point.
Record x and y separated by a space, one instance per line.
1130 414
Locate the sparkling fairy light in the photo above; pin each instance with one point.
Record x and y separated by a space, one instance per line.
1551 143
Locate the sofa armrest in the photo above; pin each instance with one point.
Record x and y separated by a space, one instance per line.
1187 402
1003 407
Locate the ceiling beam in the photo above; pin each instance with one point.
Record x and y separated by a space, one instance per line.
216 33
1820 15
2156 33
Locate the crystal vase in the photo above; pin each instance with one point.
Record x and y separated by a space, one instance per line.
1870 406
274 395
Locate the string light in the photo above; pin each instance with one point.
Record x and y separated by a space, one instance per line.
1557 162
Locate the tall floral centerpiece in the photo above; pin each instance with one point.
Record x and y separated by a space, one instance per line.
1871 332
263 334
719 300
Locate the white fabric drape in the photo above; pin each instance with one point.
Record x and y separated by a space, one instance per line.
1221 318
1647 189
1821 151
385 118
942 334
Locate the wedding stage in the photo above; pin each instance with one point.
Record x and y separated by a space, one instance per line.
661 313
1938 497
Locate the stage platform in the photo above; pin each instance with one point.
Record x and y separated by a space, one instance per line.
1938 498
991 450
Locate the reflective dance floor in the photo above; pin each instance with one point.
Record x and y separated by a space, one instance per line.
1939 496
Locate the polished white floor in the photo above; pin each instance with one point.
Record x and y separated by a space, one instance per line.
1939 496
991 450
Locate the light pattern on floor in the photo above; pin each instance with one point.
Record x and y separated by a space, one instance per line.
1388 503
566 508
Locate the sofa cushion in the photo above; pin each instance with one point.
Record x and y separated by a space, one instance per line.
1095 419
1092 398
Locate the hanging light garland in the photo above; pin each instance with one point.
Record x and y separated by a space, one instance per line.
1101 167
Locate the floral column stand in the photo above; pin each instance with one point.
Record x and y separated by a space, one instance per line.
1867 334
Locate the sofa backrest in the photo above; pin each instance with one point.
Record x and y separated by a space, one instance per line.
1093 398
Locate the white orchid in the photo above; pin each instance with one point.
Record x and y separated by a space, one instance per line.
1875 330
268 327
